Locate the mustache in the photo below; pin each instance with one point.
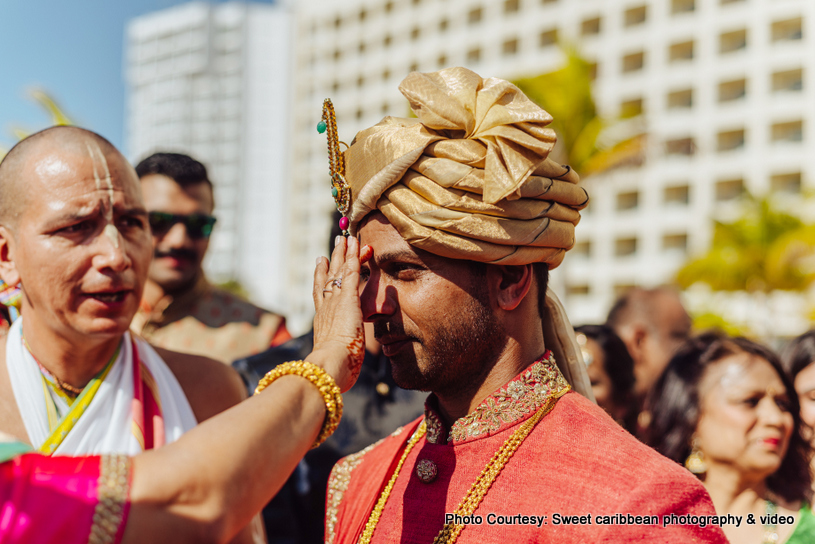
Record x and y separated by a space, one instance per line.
180 253
390 328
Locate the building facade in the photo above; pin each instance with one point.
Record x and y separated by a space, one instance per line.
213 81
724 88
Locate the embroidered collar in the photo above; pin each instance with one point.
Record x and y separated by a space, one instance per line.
515 401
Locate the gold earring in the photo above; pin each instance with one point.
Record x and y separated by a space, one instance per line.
696 460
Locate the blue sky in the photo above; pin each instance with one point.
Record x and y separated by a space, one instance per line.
73 49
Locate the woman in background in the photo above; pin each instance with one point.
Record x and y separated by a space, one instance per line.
611 372
725 408
798 360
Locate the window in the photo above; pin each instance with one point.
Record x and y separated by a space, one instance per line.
633 62
473 55
729 189
635 16
682 6
680 99
790 80
387 40
590 26
386 74
792 131
510 47
360 81
414 34
593 69
442 61
362 15
338 23
628 201
414 67
680 51
624 247
730 140
548 1
511 6
676 195
786 183
786 31
577 290
443 24
388 7
361 47
385 108
547 38
581 249
732 90
732 41
631 108
680 146
359 114
675 242
474 16
337 54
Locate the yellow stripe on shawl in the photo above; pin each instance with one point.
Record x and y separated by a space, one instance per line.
77 409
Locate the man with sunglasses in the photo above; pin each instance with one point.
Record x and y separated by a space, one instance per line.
180 309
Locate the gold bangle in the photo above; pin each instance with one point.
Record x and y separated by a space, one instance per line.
324 383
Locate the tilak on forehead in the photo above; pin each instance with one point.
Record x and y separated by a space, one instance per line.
95 151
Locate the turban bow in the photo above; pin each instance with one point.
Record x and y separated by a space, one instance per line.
471 177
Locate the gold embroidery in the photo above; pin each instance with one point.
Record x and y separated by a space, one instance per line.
516 400
114 484
338 483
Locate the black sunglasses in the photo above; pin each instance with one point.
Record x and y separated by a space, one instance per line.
198 225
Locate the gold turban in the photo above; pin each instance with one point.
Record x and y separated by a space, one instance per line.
471 177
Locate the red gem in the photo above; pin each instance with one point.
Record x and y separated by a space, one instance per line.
344 223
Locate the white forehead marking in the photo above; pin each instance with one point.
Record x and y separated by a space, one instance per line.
112 233
110 229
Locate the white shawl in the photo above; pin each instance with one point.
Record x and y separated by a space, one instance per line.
106 425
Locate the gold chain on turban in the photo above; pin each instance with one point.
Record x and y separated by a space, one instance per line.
470 178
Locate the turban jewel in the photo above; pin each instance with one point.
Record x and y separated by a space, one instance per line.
470 177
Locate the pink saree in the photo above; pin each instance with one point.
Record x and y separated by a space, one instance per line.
65 500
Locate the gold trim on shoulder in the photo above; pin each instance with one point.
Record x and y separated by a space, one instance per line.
338 483
518 399
114 486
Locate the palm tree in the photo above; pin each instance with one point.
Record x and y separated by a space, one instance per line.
586 141
47 103
762 251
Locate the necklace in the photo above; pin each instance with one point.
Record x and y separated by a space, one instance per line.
480 487
66 388
770 529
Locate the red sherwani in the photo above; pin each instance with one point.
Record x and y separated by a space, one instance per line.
576 461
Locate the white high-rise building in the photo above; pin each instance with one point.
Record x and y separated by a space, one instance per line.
213 81
726 89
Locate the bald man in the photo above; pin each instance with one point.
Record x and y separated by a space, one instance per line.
653 323
74 236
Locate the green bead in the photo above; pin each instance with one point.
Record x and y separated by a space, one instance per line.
334 192
321 127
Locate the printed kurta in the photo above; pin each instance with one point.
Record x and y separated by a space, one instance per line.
210 322
577 461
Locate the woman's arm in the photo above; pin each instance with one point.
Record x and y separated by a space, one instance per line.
208 484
